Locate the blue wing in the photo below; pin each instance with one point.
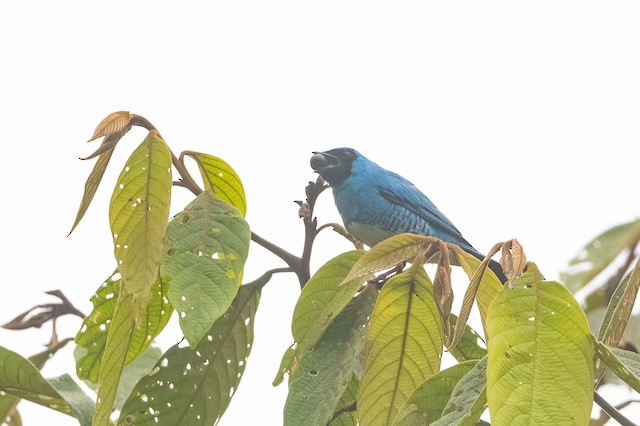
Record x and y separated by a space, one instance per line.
399 191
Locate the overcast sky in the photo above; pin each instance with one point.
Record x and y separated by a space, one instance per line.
518 119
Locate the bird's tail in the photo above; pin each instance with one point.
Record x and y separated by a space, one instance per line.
497 269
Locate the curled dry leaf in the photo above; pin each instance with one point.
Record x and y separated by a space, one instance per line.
38 315
116 122
513 261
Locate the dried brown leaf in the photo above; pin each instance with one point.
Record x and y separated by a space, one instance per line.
513 261
442 288
116 122
43 313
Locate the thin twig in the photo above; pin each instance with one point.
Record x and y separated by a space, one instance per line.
266 277
611 410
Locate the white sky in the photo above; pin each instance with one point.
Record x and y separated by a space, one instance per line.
517 119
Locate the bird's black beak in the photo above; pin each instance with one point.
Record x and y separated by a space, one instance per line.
322 161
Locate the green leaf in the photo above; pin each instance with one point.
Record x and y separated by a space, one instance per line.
8 403
427 402
323 298
347 405
323 373
599 253
204 255
618 312
468 399
194 386
91 186
113 360
95 327
81 405
21 378
389 253
540 355
135 371
403 346
287 362
625 364
220 178
138 215
468 347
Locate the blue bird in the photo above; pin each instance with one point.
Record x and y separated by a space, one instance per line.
376 203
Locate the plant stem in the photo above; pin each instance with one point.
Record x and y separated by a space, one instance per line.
611 410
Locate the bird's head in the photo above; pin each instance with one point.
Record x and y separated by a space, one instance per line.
334 165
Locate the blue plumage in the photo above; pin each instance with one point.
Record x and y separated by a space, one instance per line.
376 203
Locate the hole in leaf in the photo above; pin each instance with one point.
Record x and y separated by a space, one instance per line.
313 372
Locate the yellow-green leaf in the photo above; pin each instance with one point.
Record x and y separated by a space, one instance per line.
599 253
540 355
389 253
403 346
220 178
426 403
95 327
113 360
205 251
625 364
138 214
323 298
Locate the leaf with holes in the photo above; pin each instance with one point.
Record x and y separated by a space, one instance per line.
540 353
20 378
403 346
599 253
389 253
427 402
324 372
93 333
323 298
347 405
220 178
205 251
468 399
194 386
289 360
618 312
625 364
138 215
